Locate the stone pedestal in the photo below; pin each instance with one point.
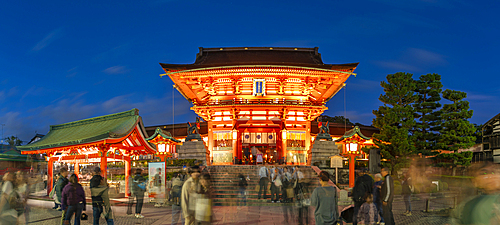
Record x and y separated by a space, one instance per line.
321 152
193 150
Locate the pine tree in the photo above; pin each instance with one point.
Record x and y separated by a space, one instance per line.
426 130
457 132
395 119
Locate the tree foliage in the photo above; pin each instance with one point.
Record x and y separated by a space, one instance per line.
395 119
428 89
336 119
13 141
412 121
455 159
457 132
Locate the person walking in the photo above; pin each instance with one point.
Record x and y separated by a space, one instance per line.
275 185
242 184
204 213
8 212
362 186
138 192
263 174
100 198
300 189
387 196
324 200
23 189
131 196
176 188
52 194
189 196
61 183
376 194
406 186
73 200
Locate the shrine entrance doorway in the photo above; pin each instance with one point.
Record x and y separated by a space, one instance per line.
260 153
260 146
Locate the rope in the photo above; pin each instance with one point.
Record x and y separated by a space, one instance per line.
345 111
173 110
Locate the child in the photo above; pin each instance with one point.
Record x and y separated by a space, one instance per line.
368 213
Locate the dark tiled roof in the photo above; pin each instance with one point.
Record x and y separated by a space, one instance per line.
214 57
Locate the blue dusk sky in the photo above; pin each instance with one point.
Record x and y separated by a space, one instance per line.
62 61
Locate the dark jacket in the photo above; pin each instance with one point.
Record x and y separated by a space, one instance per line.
67 198
61 183
136 190
362 185
94 183
376 192
387 191
406 190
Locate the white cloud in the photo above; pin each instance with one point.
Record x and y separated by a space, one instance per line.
47 40
414 60
116 70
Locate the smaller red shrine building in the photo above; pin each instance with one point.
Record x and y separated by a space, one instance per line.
103 139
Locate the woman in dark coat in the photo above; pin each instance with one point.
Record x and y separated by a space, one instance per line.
73 200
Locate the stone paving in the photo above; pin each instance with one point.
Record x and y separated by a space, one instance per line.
41 213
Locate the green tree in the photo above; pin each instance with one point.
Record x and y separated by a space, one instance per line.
395 119
457 132
478 133
13 141
426 130
336 119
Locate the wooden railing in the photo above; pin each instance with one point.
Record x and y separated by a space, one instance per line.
259 101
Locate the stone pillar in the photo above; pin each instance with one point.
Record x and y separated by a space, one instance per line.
127 177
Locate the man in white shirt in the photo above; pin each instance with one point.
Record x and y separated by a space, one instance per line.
263 174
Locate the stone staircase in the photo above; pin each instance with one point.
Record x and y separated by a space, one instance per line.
225 182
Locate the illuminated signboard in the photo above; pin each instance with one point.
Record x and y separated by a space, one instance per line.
259 87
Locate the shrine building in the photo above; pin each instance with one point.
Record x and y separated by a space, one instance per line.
259 101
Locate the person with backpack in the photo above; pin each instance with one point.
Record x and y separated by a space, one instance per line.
138 189
73 200
100 198
362 186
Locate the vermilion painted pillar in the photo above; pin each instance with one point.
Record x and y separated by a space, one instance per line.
352 162
50 174
127 177
77 169
104 165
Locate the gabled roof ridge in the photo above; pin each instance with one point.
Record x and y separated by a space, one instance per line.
165 134
132 112
491 120
269 48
